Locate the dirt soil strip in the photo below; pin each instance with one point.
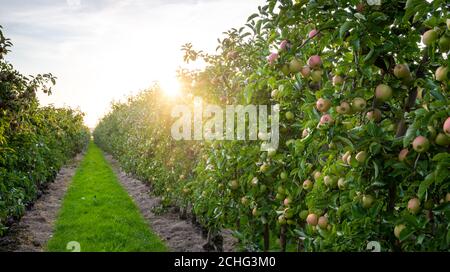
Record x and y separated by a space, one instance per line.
35 228
178 234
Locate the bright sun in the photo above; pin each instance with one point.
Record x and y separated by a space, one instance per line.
170 86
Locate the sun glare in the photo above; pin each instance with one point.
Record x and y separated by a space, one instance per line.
170 86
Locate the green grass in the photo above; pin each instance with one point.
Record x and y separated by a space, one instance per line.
98 213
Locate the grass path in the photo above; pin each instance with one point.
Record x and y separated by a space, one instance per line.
98 213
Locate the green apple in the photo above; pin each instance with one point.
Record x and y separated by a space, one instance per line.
361 156
359 104
383 92
289 116
295 66
442 73
367 201
316 75
264 168
442 139
401 71
322 222
398 229
234 184
342 184
307 184
429 37
338 80
444 43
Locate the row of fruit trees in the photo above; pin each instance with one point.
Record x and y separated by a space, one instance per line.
35 142
363 88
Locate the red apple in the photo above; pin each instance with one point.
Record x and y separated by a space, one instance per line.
326 119
312 219
414 205
323 104
287 201
322 222
344 108
374 115
313 33
305 133
305 71
307 184
420 144
272 58
314 62
446 126
284 45
402 155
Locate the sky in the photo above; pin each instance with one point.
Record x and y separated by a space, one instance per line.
105 50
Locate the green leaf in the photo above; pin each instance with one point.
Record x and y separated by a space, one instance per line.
437 94
448 237
406 233
409 135
412 7
377 171
344 28
442 207
424 185
253 16
346 141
